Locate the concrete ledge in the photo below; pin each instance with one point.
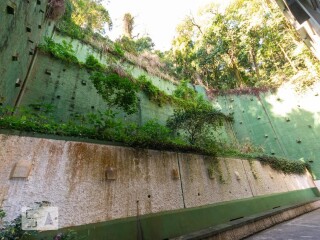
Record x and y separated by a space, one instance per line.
247 226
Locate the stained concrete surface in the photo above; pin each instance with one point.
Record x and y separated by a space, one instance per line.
306 226
71 176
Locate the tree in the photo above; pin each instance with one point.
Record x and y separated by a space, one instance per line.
197 120
144 44
90 14
249 44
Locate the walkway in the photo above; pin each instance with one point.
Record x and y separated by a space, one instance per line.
305 227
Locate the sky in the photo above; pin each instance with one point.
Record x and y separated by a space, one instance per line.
157 18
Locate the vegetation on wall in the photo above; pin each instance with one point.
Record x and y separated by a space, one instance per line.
198 122
100 126
104 126
63 51
152 92
117 86
116 90
193 125
78 23
285 166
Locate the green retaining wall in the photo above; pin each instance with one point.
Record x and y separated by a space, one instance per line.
293 135
82 50
68 88
21 27
170 224
290 133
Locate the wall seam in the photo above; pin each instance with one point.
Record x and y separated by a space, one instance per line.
183 200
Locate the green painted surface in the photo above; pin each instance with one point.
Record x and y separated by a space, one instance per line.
299 123
67 87
83 50
21 26
174 223
264 122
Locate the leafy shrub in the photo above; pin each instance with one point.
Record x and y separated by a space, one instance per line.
197 121
116 90
101 126
118 50
93 64
151 134
184 91
13 231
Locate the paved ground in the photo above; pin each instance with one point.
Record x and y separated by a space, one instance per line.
305 227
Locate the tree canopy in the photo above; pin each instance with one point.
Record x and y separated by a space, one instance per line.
249 44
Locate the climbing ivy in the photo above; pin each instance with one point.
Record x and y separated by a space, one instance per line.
184 91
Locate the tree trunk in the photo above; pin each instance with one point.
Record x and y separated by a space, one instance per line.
236 72
254 60
287 57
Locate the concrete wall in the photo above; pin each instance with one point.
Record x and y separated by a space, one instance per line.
71 176
82 50
285 123
68 88
22 24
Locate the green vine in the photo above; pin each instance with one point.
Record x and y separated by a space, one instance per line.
93 64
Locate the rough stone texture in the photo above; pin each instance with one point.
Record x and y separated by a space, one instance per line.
267 180
199 189
72 176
